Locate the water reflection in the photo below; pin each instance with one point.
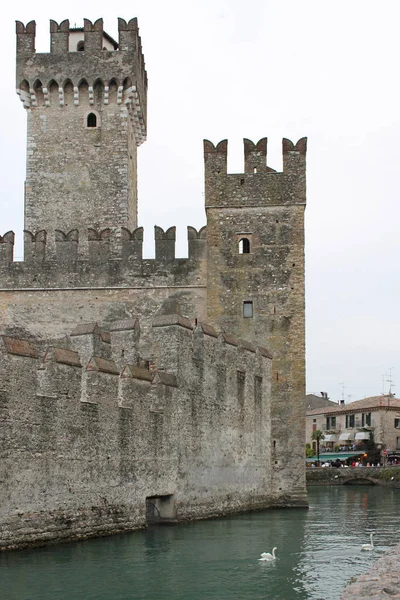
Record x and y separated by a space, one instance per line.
319 550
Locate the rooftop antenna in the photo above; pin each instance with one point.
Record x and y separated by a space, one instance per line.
390 380
343 388
383 382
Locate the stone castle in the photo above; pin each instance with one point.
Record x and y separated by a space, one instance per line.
137 390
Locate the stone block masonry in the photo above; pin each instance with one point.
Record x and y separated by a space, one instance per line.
86 440
129 393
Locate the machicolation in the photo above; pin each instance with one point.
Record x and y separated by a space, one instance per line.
130 383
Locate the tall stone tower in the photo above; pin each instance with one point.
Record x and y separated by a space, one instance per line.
255 280
86 107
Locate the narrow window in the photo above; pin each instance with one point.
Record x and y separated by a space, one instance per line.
397 423
248 309
80 46
330 423
91 120
244 246
240 380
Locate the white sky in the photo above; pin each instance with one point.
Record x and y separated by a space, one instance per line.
220 69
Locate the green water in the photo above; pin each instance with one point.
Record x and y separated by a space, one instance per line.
318 552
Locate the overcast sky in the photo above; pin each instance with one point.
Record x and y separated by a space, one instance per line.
278 68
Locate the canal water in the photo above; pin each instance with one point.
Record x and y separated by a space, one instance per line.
319 550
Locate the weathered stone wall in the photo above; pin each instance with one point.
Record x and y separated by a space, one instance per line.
99 281
85 441
267 209
215 427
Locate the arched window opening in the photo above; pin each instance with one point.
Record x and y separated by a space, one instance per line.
244 246
80 46
91 120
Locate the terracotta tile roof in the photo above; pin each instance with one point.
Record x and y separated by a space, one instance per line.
264 352
173 319
63 356
86 328
131 371
103 365
165 378
229 339
247 346
20 347
373 402
208 330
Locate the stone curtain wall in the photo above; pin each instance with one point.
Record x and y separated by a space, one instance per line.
86 436
102 281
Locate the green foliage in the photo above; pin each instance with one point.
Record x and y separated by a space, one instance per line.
309 451
387 473
317 435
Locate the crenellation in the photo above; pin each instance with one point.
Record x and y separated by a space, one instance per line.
131 377
132 244
255 156
59 37
35 246
93 35
99 245
165 243
7 248
117 419
128 34
26 38
197 243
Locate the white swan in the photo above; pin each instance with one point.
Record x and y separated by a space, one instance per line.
267 556
368 546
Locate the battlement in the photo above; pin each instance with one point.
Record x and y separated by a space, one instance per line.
259 184
99 258
179 351
98 431
84 66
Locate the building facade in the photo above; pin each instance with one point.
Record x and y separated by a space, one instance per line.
221 332
350 426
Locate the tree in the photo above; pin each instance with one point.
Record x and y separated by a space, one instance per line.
317 436
309 451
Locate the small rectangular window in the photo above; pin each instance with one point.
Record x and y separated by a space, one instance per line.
366 419
248 309
331 422
397 423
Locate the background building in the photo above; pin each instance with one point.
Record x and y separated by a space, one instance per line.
350 426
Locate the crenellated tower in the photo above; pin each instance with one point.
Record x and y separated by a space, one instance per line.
86 108
255 279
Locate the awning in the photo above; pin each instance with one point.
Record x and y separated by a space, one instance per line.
363 435
333 456
330 437
346 436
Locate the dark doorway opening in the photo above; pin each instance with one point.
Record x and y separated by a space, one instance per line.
160 510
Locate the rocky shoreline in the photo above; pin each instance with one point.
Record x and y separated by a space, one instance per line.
382 581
